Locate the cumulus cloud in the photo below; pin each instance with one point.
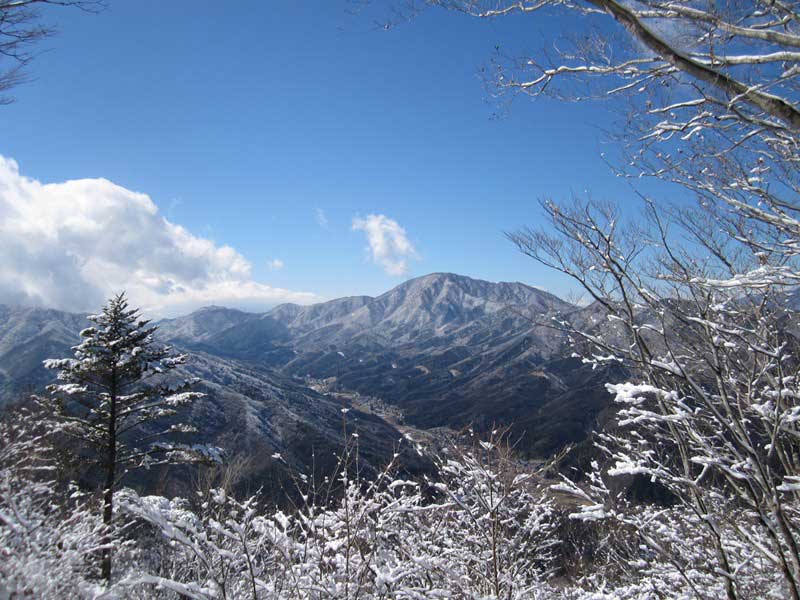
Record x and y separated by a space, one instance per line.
276 264
70 245
389 246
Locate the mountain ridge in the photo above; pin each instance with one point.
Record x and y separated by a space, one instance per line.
447 350
444 349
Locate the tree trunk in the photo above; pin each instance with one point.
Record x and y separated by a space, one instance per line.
108 492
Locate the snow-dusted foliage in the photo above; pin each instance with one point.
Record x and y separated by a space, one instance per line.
481 531
49 543
709 415
649 549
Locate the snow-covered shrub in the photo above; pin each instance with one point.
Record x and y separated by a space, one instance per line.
652 552
480 531
707 331
49 542
498 528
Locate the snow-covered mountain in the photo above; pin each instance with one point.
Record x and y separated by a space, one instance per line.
435 305
27 336
440 307
249 409
202 324
447 350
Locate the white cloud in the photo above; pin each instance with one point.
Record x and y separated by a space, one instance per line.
70 245
389 246
276 264
321 218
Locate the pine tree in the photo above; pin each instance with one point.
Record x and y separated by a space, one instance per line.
111 395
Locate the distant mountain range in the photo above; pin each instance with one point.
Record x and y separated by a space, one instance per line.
443 349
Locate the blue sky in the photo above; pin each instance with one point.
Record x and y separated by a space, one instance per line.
245 121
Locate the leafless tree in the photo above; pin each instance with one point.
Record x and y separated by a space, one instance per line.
21 28
710 88
698 305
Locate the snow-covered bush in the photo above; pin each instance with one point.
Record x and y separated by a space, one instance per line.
650 550
498 529
49 539
479 531
709 414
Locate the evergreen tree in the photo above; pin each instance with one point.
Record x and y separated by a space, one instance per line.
111 395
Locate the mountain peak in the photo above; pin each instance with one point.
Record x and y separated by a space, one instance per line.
211 308
467 292
203 323
455 278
